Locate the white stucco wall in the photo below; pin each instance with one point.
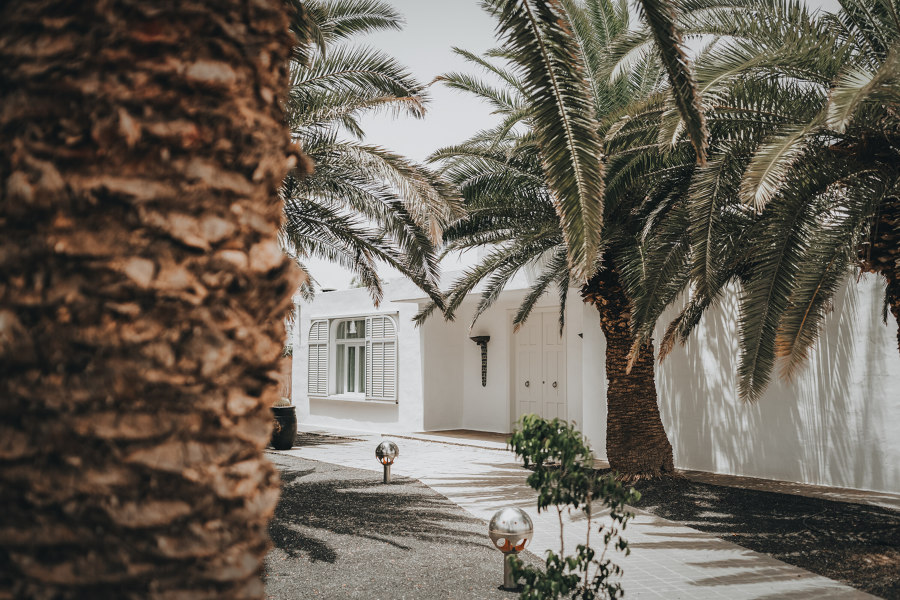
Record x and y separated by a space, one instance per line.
492 407
836 424
486 408
593 377
575 358
442 361
439 378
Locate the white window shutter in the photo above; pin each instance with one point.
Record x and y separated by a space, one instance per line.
390 370
317 368
381 358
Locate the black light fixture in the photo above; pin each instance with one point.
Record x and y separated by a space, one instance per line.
482 340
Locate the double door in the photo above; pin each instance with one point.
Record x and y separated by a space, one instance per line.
540 367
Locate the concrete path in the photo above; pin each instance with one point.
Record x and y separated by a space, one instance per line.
668 560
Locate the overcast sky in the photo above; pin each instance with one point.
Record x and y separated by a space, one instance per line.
424 45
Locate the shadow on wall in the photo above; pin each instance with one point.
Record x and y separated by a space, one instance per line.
831 426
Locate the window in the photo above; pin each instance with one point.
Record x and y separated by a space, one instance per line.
350 357
363 351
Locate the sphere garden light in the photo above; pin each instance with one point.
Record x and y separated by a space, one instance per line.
510 530
386 452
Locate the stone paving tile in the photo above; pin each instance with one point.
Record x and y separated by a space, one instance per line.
668 560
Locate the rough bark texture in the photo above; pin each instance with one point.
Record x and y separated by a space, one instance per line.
636 442
893 292
141 295
883 254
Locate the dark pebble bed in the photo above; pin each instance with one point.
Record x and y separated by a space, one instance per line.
340 533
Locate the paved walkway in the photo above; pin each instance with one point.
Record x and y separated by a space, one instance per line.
668 560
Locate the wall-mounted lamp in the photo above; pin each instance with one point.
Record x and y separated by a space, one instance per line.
482 340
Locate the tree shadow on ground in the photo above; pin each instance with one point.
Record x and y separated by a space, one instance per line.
312 440
853 543
360 505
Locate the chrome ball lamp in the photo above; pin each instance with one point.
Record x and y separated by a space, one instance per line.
386 452
510 530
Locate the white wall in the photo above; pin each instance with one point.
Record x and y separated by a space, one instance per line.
593 376
486 408
442 345
836 424
575 358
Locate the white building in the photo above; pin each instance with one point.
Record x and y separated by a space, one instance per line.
365 368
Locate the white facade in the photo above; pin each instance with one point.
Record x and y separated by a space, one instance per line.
834 425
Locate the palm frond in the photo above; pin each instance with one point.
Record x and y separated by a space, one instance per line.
554 270
773 164
779 253
538 36
342 19
355 72
857 86
659 16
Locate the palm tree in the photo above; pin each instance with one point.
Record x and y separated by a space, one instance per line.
809 194
829 187
531 185
363 204
142 285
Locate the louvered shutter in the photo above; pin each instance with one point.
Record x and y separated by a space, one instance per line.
317 368
381 358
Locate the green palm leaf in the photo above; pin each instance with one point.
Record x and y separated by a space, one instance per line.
857 86
659 16
537 35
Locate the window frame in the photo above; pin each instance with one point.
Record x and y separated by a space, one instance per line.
390 343
361 373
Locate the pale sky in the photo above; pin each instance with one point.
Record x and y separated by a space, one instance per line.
424 45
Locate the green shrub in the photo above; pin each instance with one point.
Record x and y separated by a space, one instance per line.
564 477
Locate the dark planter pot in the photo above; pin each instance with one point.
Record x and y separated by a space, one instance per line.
285 431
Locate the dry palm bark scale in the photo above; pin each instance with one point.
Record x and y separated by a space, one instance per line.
141 295
637 446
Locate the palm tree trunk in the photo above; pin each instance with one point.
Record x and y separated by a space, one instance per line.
636 443
893 298
141 288
882 254
886 247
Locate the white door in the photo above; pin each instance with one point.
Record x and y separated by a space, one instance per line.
528 368
540 367
553 382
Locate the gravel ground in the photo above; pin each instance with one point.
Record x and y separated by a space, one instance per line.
853 543
340 533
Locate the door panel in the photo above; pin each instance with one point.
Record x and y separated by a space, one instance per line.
554 358
528 369
540 362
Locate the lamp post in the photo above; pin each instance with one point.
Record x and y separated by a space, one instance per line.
386 452
510 531
482 340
